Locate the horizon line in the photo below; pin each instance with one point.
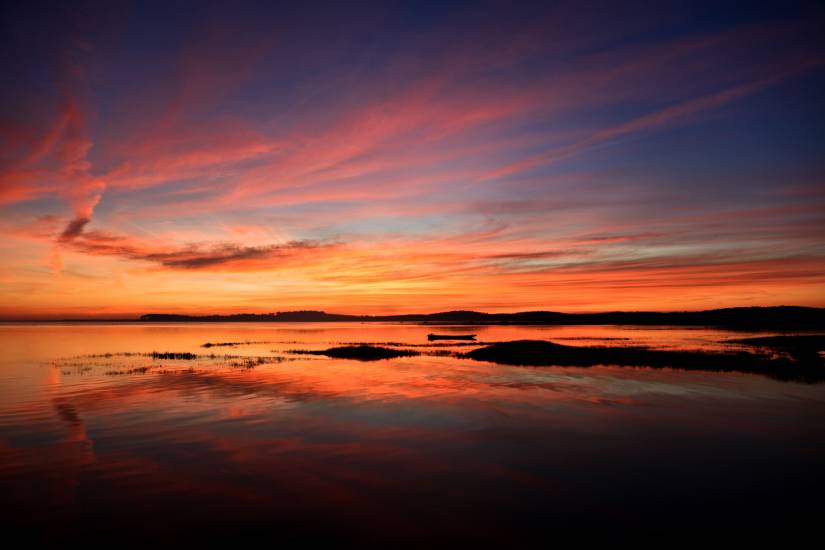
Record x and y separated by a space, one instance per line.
141 316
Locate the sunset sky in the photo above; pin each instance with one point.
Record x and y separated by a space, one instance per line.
409 157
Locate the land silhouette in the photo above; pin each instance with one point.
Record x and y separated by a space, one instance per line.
361 352
757 318
789 358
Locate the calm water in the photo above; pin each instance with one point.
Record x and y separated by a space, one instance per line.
99 438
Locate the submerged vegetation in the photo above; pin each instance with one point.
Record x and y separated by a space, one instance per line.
84 364
252 362
137 370
543 353
788 357
361 353
805 348
182 356
232 344
409 345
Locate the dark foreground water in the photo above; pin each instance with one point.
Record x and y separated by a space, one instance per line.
98 438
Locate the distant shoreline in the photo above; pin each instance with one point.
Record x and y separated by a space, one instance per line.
777 317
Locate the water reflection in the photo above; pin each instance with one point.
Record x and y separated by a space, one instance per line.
414 448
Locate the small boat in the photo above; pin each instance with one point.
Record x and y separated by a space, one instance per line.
451 337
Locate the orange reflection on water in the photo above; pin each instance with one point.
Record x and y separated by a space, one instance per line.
320 446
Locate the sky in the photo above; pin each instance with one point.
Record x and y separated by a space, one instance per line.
225 157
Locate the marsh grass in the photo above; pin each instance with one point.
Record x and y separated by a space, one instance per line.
361 352
541 353
137 370
89 363
234 344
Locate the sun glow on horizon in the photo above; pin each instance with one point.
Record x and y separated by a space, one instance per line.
255 160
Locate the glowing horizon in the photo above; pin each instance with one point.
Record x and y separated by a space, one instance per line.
410 160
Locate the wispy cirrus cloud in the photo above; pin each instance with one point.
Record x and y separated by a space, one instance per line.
195 256
362 164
